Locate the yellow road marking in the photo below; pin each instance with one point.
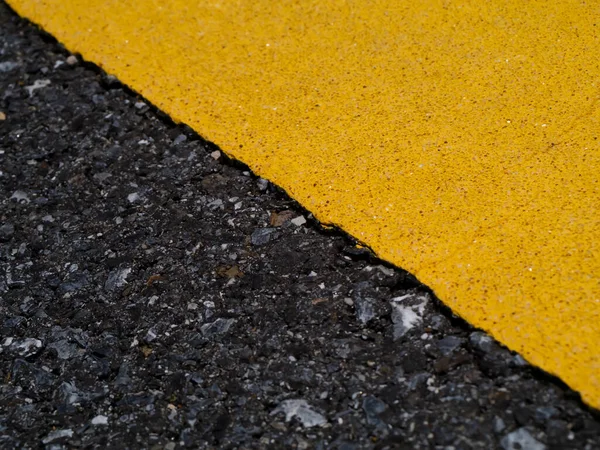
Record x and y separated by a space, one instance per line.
460 140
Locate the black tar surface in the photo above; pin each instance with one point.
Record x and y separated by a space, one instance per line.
155 296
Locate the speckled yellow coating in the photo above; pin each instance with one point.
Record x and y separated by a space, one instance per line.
459 140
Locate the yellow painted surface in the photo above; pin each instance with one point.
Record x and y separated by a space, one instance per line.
459 140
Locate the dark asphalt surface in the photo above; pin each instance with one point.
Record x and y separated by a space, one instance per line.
155 295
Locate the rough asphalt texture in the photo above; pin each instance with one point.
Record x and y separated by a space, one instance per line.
154 295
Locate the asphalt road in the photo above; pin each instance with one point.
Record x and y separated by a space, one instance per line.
155 295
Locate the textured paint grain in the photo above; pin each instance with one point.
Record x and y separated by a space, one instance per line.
459 140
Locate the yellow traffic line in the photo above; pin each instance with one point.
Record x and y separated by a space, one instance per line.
459 140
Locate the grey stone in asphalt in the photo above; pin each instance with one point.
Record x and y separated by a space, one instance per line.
373 407
262 236
407 312
6 231
449 344
302 411
521 439
481 341
219 326
364 305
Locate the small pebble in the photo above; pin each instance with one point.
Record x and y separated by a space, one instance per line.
298 221
7 66
133 197
521 439
57 434
38 84
100 420
302 411
262 184
179 139
20 197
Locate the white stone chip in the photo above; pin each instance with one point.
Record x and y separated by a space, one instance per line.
298 221
38 84
407 312
57 434
521 439
100 420
302 411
